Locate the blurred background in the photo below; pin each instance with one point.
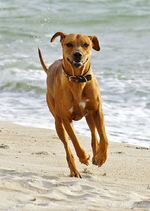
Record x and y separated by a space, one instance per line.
122 66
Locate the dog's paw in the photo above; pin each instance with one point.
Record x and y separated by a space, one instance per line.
75 173
85 160
100 157
94 162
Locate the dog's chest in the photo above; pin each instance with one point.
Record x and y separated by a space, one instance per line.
79 109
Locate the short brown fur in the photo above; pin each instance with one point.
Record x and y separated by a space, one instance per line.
68 100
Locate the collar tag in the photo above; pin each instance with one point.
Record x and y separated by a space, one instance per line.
80 78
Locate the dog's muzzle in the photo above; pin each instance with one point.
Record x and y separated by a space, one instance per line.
76 60
77 57
76 63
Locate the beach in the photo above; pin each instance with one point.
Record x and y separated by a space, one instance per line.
33 169
34 174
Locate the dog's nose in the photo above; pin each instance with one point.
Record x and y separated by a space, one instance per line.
77 56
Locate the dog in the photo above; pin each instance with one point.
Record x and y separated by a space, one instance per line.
72 93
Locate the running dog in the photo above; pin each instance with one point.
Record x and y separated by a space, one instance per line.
72 93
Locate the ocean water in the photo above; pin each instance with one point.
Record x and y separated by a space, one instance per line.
122 67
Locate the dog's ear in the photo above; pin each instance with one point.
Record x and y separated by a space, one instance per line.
61 34
95 42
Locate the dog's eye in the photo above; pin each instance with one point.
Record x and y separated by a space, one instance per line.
69 45
85 45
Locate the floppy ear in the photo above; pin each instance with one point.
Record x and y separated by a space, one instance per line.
95 43
61 34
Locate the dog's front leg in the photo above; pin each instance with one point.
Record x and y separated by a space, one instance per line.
101 154
94 142
69 156
83 157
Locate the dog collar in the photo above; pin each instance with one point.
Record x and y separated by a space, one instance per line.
78 78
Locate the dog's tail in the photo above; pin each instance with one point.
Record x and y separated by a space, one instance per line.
42 61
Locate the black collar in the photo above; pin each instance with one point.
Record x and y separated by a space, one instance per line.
78 78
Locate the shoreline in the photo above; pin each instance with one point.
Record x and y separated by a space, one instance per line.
142 145
34 174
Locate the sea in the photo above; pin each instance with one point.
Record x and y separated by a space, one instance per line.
122 67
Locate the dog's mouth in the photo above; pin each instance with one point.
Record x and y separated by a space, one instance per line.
77 64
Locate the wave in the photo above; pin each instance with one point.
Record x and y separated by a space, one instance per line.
22 87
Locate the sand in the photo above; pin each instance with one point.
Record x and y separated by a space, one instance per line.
34 175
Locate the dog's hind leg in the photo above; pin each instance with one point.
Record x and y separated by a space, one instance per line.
83 157
70 159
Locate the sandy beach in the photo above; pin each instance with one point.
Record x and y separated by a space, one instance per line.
34 175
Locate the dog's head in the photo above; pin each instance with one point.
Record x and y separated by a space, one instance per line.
77 47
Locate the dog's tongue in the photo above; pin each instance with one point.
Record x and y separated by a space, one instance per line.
77 64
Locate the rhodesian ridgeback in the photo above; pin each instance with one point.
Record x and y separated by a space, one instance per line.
73 93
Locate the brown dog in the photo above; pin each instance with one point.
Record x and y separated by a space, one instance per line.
73 92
